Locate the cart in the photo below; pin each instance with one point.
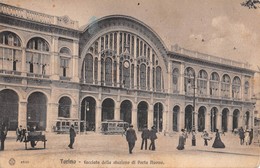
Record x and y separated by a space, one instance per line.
36 137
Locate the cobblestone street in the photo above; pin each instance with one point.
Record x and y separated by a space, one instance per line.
96 150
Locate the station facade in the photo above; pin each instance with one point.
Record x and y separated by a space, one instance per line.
117 68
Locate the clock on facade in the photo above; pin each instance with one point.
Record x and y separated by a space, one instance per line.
126 64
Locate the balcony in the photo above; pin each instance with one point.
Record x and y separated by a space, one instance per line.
63 21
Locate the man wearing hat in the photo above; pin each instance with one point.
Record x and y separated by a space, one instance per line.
72 136
131 138
145 135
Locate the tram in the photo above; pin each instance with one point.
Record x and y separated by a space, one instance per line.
62 125
114 126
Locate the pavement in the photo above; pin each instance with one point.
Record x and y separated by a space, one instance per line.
97 150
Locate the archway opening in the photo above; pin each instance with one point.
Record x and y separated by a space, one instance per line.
108 107
235 119
213 119
247 117
126 111
158 116
188 118
176 111
36 111
225 119
9 109
201 119
88 111
64 107
142 115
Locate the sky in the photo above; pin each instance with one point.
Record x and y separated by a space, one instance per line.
221 28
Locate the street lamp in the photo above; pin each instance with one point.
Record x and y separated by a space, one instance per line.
193 106
85 116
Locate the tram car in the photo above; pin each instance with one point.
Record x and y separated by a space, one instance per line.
62 125
114 127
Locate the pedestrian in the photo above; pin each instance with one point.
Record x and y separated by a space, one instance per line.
145 135
206 137
33 129
193 139
131 138
241 135
247 138
251 135
217 142
2 137
19 133
181 140
72 136
153 137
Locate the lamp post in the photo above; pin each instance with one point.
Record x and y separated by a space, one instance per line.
193 104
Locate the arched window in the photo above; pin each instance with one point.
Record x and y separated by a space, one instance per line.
175 77
143 76
246 90
10 52
202 82
158 78
38 56
225 86
189 80
88 68
65 56
64 107
236 85
214 84
108 71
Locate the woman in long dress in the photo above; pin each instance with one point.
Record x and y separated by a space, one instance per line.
217 142
181 140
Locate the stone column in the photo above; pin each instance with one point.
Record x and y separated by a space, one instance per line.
22 114
134 116
181 83
165 119
98 117
230 122
117 111
150 116
181 123
52 115
74 65
219 124
207 121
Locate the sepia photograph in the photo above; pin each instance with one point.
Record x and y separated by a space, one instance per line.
129 83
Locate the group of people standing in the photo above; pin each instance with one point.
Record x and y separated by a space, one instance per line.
183 136
146 134
245 136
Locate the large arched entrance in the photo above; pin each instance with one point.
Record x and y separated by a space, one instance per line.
108 108
88 111
9 109
188 118
201 119
158 116
235 119
36 110
142 114
176 111
126 111
213 119
224 123
64 107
